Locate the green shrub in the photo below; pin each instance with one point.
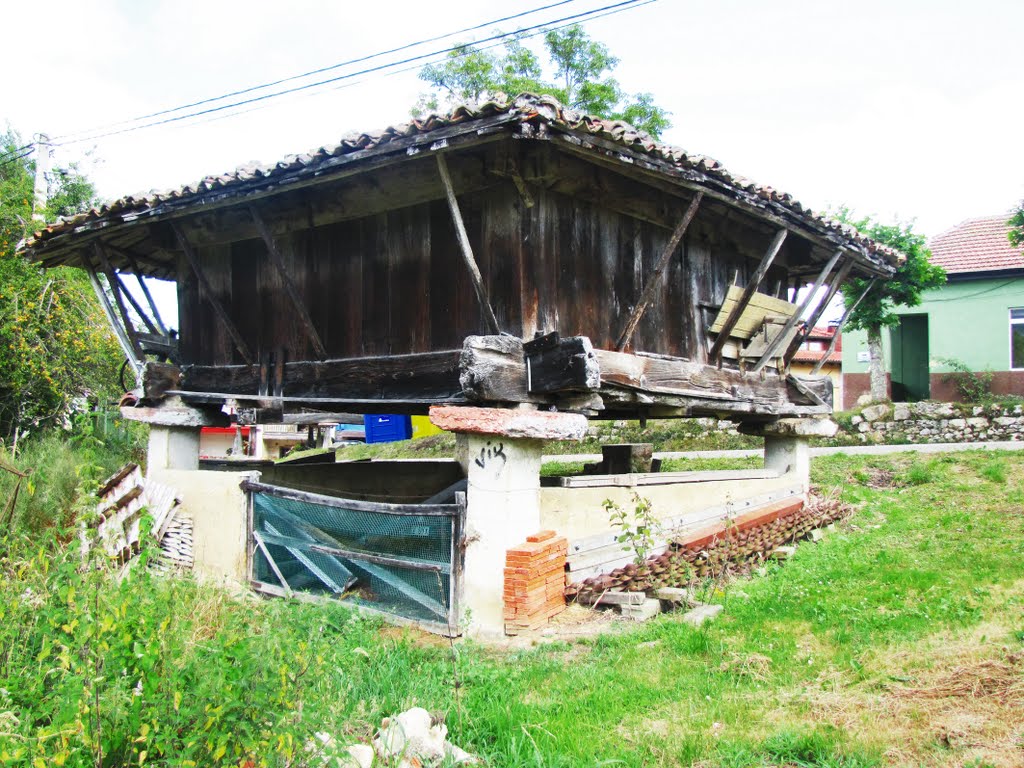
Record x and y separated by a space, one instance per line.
995 471
973 386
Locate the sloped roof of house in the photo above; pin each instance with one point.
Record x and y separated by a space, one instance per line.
976 245
814 355
533 116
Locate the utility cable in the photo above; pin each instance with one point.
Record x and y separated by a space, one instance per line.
575 17
319 71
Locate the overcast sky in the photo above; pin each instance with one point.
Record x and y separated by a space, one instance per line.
909 109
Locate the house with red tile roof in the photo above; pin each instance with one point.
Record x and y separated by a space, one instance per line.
977 319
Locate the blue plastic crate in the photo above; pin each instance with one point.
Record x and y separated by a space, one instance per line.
387 427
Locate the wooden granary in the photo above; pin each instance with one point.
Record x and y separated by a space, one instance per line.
508 253
511 268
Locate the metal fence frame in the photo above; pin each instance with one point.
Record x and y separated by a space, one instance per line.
456 512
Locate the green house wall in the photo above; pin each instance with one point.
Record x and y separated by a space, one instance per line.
968 320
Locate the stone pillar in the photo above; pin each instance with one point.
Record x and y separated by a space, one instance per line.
174 429
787 446
172 448
500 450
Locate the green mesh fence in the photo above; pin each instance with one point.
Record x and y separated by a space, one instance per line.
398 563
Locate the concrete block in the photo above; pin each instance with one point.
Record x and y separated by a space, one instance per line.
672 594
702 613
646 610
783 553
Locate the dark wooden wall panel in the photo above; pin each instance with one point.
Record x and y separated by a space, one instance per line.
395 282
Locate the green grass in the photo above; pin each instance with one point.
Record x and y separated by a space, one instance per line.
802 668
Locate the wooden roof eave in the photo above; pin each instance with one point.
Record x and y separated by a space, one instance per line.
63 249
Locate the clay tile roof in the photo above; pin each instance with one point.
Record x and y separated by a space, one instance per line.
976 245
533 113
814 355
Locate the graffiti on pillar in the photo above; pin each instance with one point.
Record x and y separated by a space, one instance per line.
493 456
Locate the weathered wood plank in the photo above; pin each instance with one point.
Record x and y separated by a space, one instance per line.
557 365
465 247
429 375
115 290
783 336
298 304
655 279
715 355
204 286
833 289
723 389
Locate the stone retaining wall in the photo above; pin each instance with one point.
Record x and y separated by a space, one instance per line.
931 422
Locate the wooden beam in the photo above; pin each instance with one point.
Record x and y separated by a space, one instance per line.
427 376
465 247
207 291
795 317
119 332
715 355
656 277
670 380
289 285
115 289
833 289
839 328
161 328
136 306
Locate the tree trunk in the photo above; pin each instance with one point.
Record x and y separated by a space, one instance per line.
876 368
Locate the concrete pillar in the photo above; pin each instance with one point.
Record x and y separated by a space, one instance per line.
787 446
789 455
172 448
500 451
173 432
503 508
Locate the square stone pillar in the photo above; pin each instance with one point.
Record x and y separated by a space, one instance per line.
174 429
787 447
172 448
500 451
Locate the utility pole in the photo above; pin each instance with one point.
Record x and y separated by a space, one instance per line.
42 142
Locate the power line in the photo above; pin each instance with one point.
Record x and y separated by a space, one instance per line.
7 155
319 71
261 106
575 17
16 158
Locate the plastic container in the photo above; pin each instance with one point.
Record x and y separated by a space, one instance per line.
386 427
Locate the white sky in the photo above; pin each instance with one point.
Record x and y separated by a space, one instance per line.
905 108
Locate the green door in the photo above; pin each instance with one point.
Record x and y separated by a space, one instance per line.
910 369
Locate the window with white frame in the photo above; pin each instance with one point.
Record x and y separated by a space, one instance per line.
1017 338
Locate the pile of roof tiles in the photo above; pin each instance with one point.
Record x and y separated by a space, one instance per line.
535 581
734 552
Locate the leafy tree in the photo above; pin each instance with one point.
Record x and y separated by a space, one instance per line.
877 310
55 344
582 79
1016 222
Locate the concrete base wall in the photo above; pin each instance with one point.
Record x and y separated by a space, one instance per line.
579 512
217 506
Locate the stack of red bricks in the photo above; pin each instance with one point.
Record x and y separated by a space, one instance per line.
535 581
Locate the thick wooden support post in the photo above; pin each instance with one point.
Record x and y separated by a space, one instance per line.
207 291
289 285
554 364
465 247
715 355
115 289
818 312
122 337
161 328
775 343
839 328
659 271
136 306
